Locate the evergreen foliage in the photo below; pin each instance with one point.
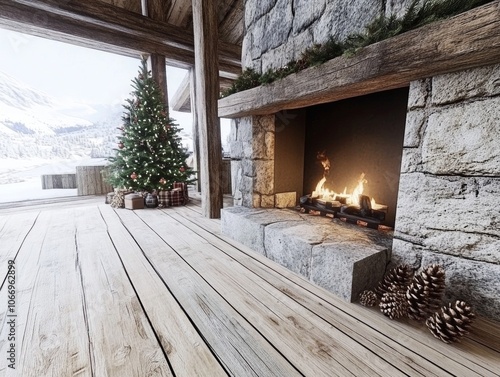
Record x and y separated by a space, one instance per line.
418 13
150 155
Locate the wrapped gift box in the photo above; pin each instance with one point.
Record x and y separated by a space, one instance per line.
183 187
176 197
163 198
134 201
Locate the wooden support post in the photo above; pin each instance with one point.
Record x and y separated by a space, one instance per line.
156 62
158 68
205 24
195 131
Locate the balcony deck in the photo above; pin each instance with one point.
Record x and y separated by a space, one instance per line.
104 292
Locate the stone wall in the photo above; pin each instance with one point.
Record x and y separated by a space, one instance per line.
267 159
448 203
278 31
251 145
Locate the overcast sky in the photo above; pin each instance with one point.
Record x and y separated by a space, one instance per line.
69 72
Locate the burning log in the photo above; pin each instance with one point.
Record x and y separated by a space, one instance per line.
364 210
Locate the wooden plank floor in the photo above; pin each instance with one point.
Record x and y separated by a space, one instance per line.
104 292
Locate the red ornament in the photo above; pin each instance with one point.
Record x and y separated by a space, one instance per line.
133 175
182 169
121 145
163 181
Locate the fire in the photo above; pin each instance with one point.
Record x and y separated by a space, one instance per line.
328 195
358 190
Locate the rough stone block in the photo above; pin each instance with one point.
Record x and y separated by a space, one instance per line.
264 177
306 12
463 140
414 122
286 200
411 160
343 18
346 268
471 281
477 82
255 9
267 201
452 215
290 244
342 258
236 175
419 91
396 7
236 150
234 222
405 253
263 145
246 225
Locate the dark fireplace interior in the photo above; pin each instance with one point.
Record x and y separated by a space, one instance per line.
358 135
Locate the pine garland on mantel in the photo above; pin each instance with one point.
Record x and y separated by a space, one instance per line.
417 14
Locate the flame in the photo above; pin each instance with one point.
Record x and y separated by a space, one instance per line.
353 199
358 190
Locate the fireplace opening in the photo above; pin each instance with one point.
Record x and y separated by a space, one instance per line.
352 157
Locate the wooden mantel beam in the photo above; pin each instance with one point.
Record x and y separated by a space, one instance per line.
94 23
471 39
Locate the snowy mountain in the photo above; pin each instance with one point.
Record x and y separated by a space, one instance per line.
37 130
24 110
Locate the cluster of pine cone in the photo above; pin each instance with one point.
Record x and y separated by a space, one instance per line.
418 296
118 200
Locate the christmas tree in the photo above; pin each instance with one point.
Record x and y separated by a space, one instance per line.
150 155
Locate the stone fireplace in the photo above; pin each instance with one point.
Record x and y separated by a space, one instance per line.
438 171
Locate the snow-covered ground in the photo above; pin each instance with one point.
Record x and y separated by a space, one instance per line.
21 179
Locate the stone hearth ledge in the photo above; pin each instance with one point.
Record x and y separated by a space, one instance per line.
342 258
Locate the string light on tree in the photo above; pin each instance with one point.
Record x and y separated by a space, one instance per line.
149 141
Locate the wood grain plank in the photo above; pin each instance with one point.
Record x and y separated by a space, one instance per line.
122 340
187 352
409 335
26 272
239 347
401 357
56 339
314 346
179 13
465 41
12 236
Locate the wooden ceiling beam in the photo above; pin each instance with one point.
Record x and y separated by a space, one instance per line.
104 23
181 99
179 13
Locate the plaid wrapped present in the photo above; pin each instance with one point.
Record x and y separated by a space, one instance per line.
176 197
163 198
184 188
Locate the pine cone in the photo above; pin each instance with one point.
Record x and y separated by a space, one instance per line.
451 322
368 298
434 276
417 297
425 293
394 304
397 278
118 200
